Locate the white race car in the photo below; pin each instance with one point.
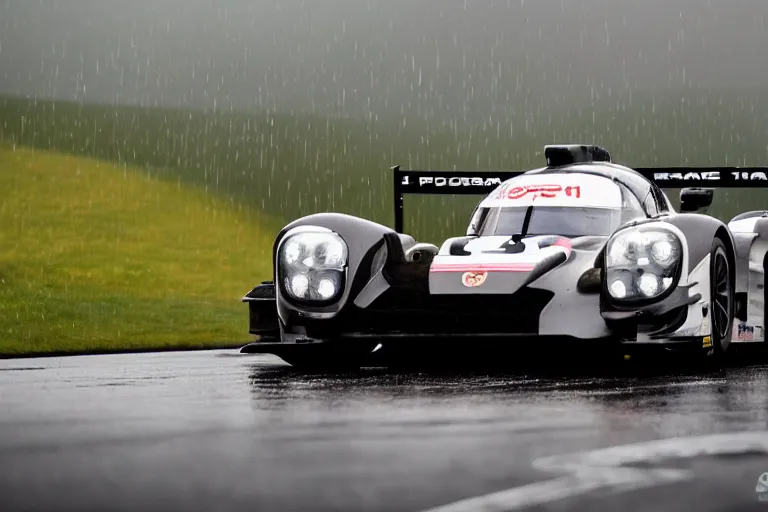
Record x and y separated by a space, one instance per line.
582 251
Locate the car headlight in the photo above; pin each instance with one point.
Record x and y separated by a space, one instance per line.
312 265
641 263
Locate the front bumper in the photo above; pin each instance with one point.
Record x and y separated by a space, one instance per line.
411 317
404 313
262 312
467 351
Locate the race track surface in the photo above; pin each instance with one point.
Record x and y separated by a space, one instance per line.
219 431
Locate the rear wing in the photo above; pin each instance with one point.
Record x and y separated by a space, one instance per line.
484 182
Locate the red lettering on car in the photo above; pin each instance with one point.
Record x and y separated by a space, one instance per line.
548 191
543 190
573 191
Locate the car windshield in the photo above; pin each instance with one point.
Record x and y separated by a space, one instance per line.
557 220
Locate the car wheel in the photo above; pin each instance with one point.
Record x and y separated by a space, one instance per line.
721 308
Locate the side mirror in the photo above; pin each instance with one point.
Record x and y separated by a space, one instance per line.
694 199
476 222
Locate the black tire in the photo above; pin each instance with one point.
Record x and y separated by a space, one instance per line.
722 299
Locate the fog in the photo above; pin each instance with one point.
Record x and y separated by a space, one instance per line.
373 58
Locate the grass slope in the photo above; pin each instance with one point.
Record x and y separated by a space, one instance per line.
294 164
157 250
96 257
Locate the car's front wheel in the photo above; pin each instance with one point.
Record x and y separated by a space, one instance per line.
721 308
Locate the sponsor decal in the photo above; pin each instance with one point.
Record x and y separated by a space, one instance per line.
710 176
549 191
748 176
707 342
703 175
472 279
452 181
556 190
746 332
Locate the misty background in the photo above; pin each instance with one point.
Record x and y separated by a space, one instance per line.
433 58
299 106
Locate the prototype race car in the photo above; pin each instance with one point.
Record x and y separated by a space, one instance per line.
582 250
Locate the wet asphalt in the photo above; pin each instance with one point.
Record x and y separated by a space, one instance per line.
220 431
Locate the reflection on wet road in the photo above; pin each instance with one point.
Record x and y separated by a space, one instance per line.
225 431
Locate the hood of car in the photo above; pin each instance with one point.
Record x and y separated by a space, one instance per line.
501 264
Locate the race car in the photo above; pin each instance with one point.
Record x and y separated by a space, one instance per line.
582 251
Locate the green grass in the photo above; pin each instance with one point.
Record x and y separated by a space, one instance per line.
96 257
291 165
153 244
